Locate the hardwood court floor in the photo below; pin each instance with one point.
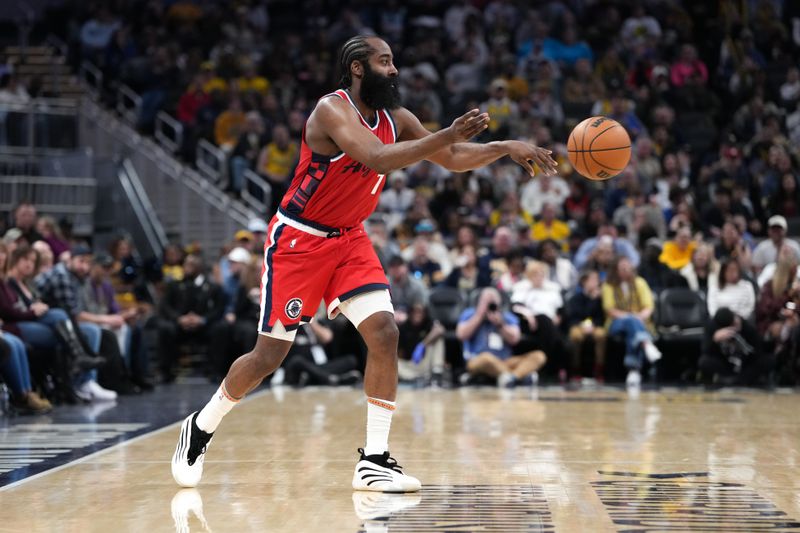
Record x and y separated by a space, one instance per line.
489 460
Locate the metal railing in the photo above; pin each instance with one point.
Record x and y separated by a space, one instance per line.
256 192
39 125
129 104
92 79
57 196
143 210
188 205
169 132
211 161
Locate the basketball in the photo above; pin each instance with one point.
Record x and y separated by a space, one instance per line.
599 148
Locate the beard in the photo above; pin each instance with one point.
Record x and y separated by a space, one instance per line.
379 91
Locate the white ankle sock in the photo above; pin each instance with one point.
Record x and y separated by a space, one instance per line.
218 406
379 421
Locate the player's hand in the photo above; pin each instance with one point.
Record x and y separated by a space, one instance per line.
526 153
468 125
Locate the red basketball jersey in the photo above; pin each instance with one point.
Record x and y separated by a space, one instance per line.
338 191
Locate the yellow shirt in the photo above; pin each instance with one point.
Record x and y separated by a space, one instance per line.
674 257
280 162
257 84
638 298
497 217
227 128
558 231
215 84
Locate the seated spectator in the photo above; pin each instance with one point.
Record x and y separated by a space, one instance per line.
245 153
586 325
466 276
172 264
678 252
437 252
421 266
501 109
732 351
657 275
308 361
628 305
406 290
732 245
488 334
537 303
250 80
44 258
25 218
549 227
397 198
686 66
238 260
61 288
602 257
582 88
229 125
785 201
16 373
619 246
541 190
702 272
515 272
189 309
560 269
732 291
777 316
767 250
495 261
51 234
420 350
277 161
509 213
101 300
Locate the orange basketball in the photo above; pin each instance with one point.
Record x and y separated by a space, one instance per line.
599 148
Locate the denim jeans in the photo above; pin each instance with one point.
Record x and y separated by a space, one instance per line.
635 333
238 165
15 370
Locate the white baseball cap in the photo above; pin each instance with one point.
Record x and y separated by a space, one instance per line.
777 220
239 255
257 225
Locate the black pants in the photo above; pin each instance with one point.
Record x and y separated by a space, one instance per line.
546 337
318 374
228 342
170 338
753 367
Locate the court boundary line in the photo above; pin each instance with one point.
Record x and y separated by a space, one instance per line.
111 448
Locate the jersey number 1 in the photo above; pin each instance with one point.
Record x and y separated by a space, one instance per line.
377 184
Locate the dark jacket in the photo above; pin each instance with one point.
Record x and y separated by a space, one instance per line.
198 295
12 309
580 307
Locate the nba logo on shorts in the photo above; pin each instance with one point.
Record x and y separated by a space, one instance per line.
294 307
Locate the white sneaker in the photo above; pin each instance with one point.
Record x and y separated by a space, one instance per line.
184 502
506 380
91 390
634 379
652 353
190 453
381 473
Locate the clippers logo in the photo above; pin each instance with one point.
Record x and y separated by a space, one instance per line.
294 307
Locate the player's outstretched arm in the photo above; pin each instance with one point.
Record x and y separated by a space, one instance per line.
339 122
465 156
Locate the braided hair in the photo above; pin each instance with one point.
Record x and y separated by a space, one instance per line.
355 49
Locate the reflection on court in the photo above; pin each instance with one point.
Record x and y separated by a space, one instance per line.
490 461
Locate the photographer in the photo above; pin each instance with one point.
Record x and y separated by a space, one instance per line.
488 334
732 351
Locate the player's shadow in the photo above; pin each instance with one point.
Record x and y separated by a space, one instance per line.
185 503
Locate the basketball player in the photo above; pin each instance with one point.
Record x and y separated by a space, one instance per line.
317 247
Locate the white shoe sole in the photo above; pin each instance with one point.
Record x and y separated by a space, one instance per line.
183 474
371 477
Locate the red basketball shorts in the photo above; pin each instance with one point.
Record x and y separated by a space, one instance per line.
305 263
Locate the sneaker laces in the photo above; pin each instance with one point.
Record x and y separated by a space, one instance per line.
385 460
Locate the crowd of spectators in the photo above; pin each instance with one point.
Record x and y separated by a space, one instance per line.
710 95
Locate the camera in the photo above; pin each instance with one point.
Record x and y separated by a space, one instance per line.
492 307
